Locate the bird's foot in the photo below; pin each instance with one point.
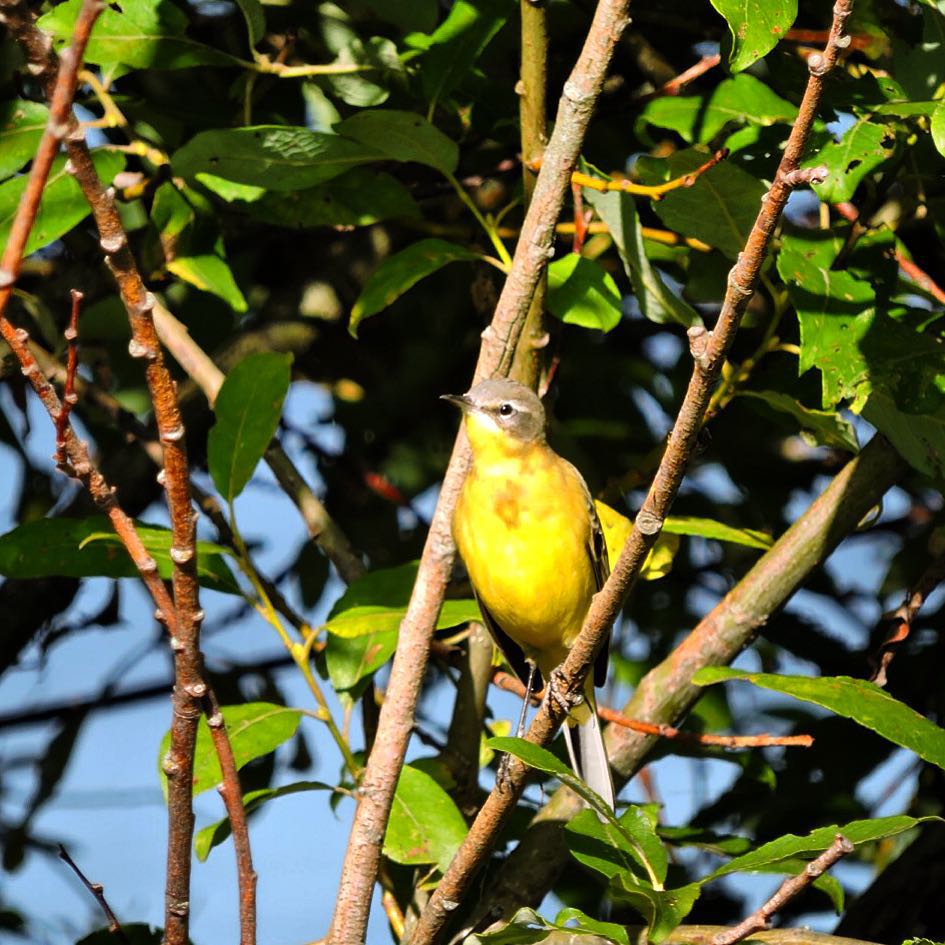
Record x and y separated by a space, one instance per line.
557 692
503 778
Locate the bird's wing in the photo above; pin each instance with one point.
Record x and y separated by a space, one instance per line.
509 648
597 550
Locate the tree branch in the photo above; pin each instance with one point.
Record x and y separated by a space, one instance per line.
532 252
98 891
791 887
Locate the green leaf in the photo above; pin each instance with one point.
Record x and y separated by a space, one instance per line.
584 923
247 409
864 147
742 100
719 208
885 369
209 273
402 136
824 427
358 198
62 205
756 26
663 910
146 34
813 844
457 43
656 301
255 18
275 157
376 603
609 850
254 729
351 659
856 699
718 531
580 292
378 57
938 127
425 826
633 833
22 124
214 834
401 271
373 618
87 547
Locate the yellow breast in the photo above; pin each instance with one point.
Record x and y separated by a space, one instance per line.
523 530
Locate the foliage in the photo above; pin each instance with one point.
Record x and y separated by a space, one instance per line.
327 197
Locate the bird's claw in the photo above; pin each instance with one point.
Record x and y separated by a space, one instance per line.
557 692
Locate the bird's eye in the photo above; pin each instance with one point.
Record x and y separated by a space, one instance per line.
506 410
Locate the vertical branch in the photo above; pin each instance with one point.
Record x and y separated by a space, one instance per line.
534 247
532 90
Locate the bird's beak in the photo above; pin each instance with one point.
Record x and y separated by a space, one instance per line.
458 400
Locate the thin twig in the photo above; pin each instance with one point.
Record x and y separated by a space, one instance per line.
511 683
708 351
98 891
899 622
675 85
499 342
794 885
69 396
919 276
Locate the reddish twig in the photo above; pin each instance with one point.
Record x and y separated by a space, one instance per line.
98 891
759 920
499 342
182 615
919 276
677 84
819 37
511 683
900 620
708 351
69 396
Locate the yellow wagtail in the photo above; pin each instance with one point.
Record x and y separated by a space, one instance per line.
527 530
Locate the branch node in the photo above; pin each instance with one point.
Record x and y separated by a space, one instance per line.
113 243
177 644
736 287
70 168
699 343
22 335
806 175
449 905
138 349
817 64
169 766
57 129
842 42
181 555
146 565
28 370
647 523
196 690
7 278
175 435
215 721
145 305
161 477
575 94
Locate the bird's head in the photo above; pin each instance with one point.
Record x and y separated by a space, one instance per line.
501 415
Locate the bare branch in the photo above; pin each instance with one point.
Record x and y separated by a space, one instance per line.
98 891
791 887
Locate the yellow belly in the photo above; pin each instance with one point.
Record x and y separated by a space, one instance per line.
522 528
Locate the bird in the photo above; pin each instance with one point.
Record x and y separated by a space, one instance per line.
528 533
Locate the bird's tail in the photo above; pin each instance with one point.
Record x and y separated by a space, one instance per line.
585 741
